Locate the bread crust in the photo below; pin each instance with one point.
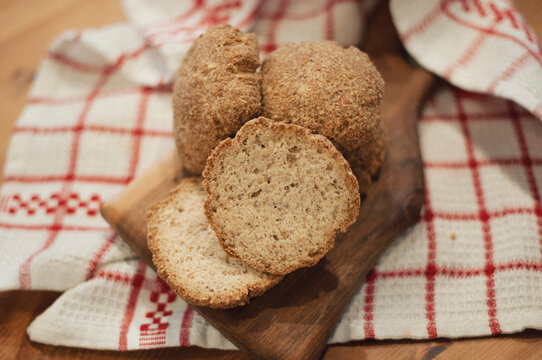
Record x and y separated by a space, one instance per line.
366 160
320 141
160 259
217 90
333 91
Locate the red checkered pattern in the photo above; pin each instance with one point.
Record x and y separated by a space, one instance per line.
50 205
123 306
479 45
473 264
100 113
153 333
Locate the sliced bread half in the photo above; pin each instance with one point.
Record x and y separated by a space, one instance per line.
189 258
277 195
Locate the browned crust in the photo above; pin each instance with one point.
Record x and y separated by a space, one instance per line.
366 160
160 257
318 140
333 91
217 90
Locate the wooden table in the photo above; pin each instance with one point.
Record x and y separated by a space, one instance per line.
26 32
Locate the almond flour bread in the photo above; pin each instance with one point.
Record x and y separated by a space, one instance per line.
189 258
277 195
333 91
216 91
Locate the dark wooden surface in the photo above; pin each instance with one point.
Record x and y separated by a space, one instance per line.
294 319
27 29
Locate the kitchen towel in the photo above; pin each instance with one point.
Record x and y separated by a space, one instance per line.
99 113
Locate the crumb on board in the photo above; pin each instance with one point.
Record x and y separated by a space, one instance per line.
452 236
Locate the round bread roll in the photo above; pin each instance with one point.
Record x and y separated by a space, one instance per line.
216 91
277 195
333 91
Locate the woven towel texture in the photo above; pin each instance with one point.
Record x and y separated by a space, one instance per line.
99 113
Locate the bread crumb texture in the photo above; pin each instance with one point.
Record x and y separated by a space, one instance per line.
277 195
217 90
189 258
335 92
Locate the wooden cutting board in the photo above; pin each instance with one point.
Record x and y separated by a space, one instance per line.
294 319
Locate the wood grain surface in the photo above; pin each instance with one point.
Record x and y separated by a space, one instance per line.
26 31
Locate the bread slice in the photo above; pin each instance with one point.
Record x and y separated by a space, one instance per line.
277 195
189 258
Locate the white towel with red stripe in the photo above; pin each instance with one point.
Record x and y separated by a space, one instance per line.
99 113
